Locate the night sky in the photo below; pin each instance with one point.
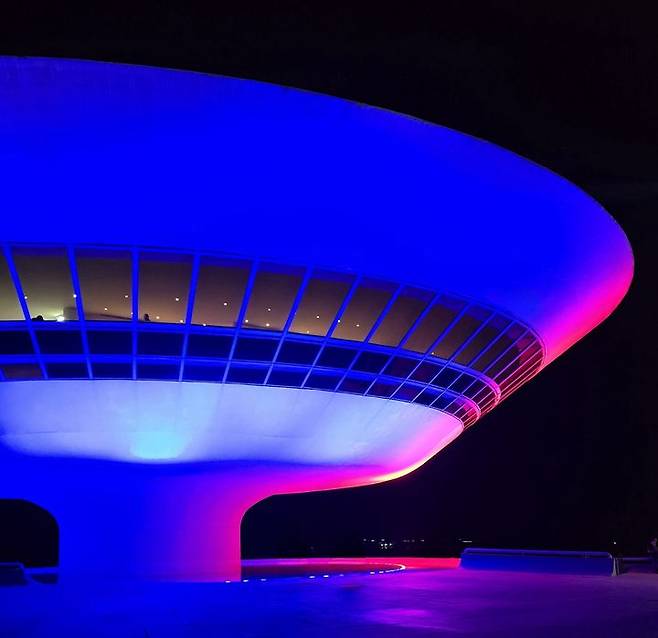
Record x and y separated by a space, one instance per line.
570 460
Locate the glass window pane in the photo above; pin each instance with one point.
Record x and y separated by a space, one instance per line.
194 372
426 371
289 377
475 388
67 371
522 373
255 349
167 371
527 349
18 371
445 378
434 323
272 297
211 346
487 405
460 332
401 316
382 389
371 362
363 310
401 367
46 280
323 380
442 402
10 309
484 396
295 352
164 283
482 340
220 291
407 392
355 385
498 347
529 352
427 396
105 284
110 342
112 370
509 361
59 341
460 384
332 357
322 298
244 374
16 342
160 343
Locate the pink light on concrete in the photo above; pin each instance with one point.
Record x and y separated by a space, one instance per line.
152 478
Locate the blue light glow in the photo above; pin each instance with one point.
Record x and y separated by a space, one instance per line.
320 180
101 154
154 445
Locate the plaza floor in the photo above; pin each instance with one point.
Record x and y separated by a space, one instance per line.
441 601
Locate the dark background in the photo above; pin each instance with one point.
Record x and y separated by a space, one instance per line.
570 461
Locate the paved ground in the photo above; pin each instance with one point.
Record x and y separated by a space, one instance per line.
449 602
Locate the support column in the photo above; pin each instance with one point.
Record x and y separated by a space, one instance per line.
173 527
147 522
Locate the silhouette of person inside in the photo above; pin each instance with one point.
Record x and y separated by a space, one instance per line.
38 318
146 317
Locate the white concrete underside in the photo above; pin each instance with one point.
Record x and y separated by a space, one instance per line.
161 421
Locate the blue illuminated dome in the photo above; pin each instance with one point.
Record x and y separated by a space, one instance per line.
213 290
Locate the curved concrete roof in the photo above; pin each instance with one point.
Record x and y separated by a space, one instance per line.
107 153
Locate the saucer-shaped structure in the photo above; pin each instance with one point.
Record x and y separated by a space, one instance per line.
214 290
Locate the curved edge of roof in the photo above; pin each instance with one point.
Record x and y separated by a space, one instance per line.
555 346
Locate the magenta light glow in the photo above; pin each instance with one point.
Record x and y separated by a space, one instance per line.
458 271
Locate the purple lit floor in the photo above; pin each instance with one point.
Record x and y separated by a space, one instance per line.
414 602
